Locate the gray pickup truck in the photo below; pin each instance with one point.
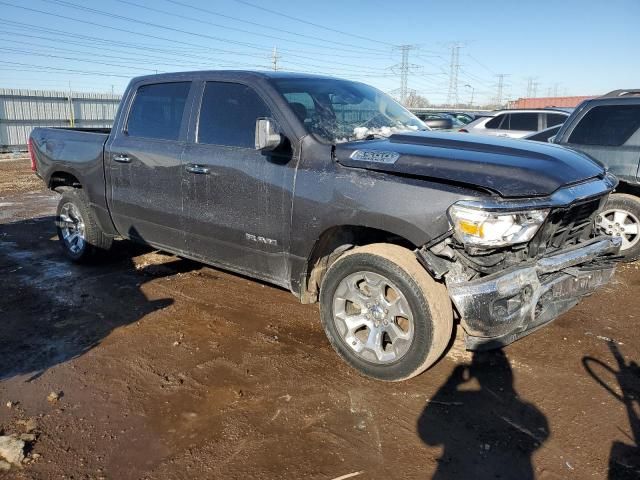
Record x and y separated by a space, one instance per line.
331 189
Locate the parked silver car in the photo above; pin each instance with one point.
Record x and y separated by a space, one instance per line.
516 123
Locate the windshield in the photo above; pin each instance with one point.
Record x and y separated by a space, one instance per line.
340 111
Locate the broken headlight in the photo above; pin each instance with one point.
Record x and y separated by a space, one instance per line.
474 226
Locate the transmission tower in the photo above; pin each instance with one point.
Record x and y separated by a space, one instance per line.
274 58
500 87
531 86
454 67
534 93
404 66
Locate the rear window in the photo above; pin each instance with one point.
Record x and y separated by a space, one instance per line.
554 119
157 110
527 122
228 115
495 122
607 125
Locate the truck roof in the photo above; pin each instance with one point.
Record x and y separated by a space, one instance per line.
238 74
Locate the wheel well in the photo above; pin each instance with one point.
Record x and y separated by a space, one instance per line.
631 189
60 181
333 243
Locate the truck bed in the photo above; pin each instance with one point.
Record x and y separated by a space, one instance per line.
68 149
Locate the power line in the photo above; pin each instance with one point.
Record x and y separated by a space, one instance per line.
226 27
254 55
40 68
324 27
481 64
156 25
260 25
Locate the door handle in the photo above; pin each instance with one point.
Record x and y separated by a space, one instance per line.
198 169
121 158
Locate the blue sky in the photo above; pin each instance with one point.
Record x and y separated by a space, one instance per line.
570 47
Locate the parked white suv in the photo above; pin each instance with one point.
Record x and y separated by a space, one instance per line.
516 123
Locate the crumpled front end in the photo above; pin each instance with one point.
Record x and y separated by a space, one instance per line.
498 309
502 293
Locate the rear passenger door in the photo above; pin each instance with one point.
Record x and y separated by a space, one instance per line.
237 199
498 126
611 135
143 167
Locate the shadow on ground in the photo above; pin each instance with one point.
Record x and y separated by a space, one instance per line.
485 429
52 311
624 458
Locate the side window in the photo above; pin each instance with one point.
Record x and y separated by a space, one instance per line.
524 122
554 119
496 122
607 125
302 104
157 110
228 115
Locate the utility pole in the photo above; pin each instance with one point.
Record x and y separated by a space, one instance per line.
500 87
72 119
535 89
454 67
274 58
404 70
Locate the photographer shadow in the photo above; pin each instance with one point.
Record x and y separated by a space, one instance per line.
486 430
624 458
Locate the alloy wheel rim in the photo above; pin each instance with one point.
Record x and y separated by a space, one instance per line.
72 228
373 317
620 223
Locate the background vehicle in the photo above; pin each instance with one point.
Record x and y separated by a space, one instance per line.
439 121
545 135
329 188
516 123
608 129
463 117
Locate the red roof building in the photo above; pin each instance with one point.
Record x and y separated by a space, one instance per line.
542 102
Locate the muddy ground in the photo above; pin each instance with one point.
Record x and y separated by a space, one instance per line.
169 369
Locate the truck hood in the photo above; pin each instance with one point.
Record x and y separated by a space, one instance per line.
511 168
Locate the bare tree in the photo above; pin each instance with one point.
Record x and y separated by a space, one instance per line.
414 100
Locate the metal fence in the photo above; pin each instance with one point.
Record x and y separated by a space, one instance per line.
22 110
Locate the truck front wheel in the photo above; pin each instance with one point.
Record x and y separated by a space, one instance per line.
383 313
79 234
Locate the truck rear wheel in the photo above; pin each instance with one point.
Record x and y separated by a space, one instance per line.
78 232
621 217
383 313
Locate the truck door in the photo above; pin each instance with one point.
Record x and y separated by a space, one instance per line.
143 165
237 199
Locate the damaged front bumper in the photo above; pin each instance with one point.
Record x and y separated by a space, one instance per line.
498 309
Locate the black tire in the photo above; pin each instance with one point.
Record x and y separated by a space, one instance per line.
94 241
630 205
428 300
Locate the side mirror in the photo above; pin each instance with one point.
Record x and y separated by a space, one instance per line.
267 137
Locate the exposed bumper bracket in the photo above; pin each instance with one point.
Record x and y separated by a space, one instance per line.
501 308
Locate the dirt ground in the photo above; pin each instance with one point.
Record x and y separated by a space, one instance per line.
167 369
